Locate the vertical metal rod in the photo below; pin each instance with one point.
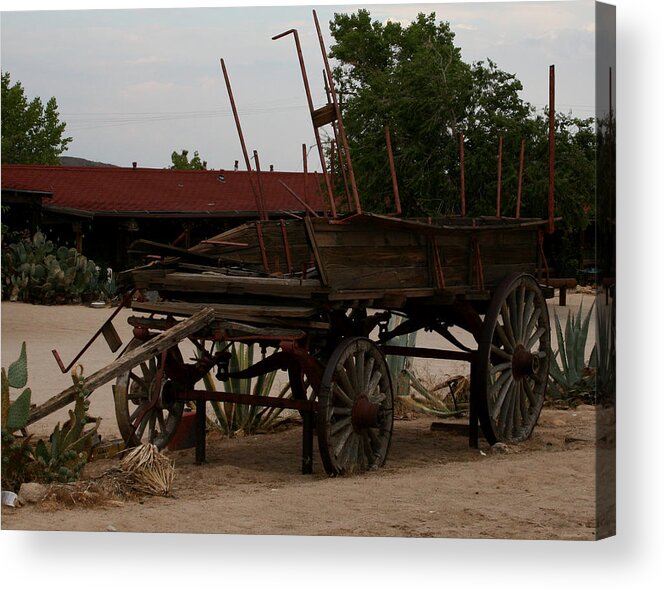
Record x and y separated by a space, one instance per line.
262 247
200 431
436 260
550 198
338 111
461 164
263 213
322 158
498 184
339 148
240 135
519 180
304 168
393 174
287 247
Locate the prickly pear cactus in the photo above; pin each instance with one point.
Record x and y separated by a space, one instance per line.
15 414
38 272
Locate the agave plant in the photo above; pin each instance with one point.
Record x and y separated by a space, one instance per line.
603 358
239 418
571 378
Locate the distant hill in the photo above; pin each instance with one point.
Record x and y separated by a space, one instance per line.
72 161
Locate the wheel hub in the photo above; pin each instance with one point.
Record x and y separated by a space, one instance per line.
525 363
365 414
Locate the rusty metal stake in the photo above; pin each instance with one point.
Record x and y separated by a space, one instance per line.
519 180
393 174
498 185
338 111
241 136
263 213
310 103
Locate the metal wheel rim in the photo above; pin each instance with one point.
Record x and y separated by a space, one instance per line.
513 360
136 389
356 376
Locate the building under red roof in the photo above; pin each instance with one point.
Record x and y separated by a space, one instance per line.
150 192
101 210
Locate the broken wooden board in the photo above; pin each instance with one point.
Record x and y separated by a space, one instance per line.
127 361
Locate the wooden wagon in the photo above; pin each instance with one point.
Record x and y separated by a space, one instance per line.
317 294
326 324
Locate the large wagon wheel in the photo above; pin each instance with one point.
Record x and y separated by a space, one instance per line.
511 371
355 417
145 408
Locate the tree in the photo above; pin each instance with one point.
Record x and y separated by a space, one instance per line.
31 132
413 79
181 161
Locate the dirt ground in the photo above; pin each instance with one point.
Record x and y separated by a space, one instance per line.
433 484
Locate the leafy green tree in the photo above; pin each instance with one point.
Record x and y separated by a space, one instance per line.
181 161
31 132
412 78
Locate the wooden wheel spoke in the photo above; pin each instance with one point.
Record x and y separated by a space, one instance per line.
342 439
524 408
535 338
152 421
500 401
162 421
507 326
501 353
140 429
504 338
342 379
367 449
369 368
349 370
339 411
519 312
499 383
529 392
371 388
359 360
340 425
138 380
341 395
533 322
510 417
527 315
500 368
511 319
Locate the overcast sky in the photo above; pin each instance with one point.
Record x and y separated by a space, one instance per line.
134 85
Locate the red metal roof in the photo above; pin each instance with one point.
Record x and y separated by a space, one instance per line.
159 192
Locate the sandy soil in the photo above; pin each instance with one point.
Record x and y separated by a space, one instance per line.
433 484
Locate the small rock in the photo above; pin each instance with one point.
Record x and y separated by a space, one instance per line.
501 448
31 492
111 529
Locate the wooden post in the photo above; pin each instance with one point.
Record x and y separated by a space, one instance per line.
461 164
550 199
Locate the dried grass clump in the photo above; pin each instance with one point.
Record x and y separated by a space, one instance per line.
145 470
80 494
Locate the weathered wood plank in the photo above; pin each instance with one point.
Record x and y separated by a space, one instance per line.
179 308
127 361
